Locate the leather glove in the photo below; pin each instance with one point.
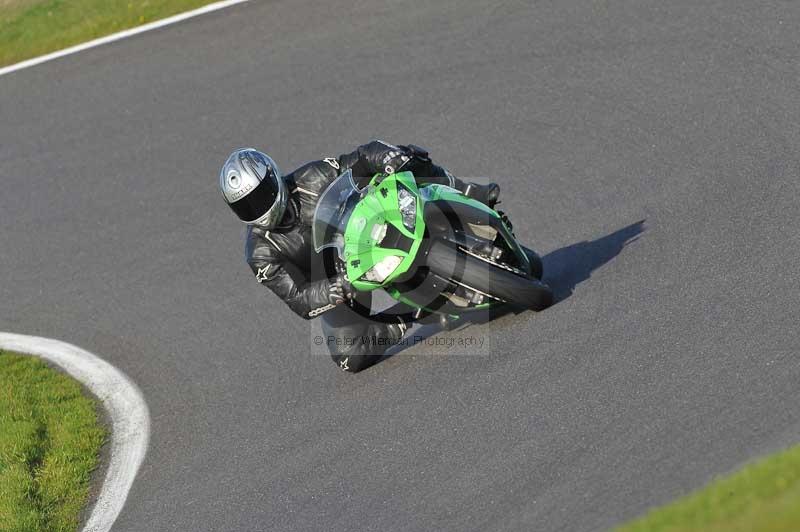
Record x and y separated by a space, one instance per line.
339 289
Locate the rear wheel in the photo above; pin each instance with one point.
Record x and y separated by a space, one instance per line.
492 279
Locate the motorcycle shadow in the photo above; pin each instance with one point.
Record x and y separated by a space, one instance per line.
564 269
567 267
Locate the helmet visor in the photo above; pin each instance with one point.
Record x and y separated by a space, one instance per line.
257 202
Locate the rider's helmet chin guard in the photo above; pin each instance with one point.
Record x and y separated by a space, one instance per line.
253 187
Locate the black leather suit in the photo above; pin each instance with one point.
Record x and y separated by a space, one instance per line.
285 261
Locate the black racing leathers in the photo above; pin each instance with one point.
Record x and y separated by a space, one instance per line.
284 261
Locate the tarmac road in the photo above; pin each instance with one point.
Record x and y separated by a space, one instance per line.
671 357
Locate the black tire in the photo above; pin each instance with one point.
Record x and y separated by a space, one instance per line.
447 261
537 267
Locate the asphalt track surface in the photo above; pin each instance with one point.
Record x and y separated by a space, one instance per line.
670 358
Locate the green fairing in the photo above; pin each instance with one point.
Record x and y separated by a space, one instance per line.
380 206
443 192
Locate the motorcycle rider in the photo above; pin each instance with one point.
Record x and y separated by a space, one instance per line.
278 210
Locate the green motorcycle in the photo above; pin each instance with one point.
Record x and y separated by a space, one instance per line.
430 247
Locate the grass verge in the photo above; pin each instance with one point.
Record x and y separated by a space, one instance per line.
763 496
29 28
50 438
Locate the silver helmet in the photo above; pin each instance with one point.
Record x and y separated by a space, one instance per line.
253 187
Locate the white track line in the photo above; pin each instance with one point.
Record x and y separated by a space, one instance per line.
130 419
121 35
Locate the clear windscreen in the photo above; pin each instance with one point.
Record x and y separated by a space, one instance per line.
333 210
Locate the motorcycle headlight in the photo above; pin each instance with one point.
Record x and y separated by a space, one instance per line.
382 269
407 203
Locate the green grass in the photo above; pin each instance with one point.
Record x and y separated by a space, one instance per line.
29 28
50 438
763 496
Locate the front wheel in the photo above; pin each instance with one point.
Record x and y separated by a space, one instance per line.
489 278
